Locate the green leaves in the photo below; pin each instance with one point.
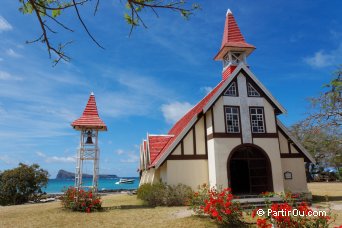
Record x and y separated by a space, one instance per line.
56 13
20 184
130 20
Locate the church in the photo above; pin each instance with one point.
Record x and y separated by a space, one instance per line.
232 137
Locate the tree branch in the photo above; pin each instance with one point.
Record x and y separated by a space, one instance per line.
84 26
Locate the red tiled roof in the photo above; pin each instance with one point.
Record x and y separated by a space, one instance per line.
156 144
232 39
185 120
90 117
232 36
228 71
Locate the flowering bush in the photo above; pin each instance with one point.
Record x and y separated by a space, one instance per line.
292 214
80 200
217 204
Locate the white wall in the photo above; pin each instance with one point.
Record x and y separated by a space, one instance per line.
189 172
284 147
188 144
297 167
200 137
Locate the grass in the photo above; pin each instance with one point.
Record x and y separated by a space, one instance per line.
128 211
131 214
328 195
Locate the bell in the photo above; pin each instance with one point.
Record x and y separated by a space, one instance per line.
89 138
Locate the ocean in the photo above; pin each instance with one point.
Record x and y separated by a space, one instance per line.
56 186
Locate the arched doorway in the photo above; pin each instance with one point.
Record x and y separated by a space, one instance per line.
249 170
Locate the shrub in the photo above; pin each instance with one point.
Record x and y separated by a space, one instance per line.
143 191
160 194
198 199
218 205
21 184
80 200
178 195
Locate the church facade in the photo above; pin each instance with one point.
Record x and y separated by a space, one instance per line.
232 137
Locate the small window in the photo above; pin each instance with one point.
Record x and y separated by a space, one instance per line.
252 92
231 91
232 119
257 120
236 57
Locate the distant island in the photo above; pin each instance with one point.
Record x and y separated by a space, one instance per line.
62 174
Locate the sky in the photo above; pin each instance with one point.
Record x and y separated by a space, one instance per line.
146 81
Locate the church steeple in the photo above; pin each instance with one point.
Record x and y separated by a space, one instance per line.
234 48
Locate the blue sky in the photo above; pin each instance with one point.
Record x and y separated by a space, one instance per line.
143 83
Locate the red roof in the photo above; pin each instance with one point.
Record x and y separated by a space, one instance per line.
185 120
156 144
90 118
232 36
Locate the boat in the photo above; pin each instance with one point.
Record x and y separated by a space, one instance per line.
125 181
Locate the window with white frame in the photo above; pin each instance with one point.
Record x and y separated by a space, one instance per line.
232 90
232 119
237 57
257 119
252 92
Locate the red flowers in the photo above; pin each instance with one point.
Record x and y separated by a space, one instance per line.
81 200
262 223
218 204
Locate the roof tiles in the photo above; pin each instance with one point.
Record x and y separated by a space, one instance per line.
90 117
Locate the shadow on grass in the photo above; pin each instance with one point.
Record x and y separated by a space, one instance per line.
127 207
319 199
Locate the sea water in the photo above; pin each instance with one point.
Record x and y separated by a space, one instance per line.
59 185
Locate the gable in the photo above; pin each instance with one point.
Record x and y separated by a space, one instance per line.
180 129
294 146
254 81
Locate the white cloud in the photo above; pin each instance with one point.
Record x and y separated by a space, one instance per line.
40 154
132 158
175 110
67 159
119 152
10 52
4 25
323 58
7 160
206 89
320 59
5 76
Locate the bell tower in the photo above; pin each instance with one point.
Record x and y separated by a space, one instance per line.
89 124
234 49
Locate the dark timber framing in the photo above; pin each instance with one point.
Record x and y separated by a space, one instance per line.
194 156
194 138
205 134
188 157
300 153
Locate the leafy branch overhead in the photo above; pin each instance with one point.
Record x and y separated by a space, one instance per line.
48 14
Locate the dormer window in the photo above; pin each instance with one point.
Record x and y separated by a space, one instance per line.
232 90
252 92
